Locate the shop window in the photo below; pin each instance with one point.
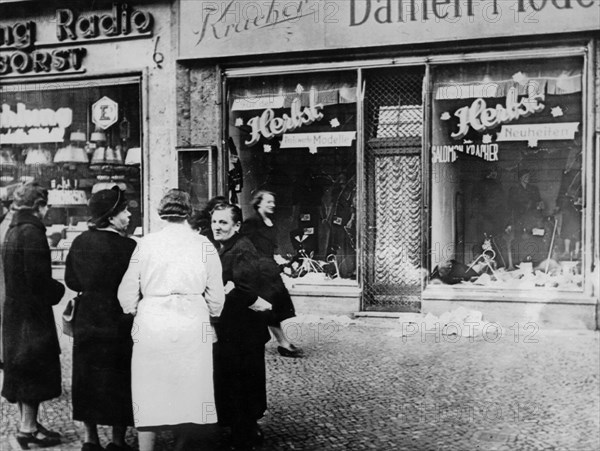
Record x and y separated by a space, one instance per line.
74 139
506 163
295 136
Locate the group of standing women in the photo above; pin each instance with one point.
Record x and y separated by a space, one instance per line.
145 322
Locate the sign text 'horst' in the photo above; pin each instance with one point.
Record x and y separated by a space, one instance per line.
20 52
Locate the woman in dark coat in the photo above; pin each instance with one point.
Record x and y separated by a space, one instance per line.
31 349
240 385
102 341
261 230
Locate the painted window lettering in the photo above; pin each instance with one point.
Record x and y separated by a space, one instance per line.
482 118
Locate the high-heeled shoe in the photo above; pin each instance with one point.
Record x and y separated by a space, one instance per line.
257 435
293 352
114 447
24 439
48 432
89 446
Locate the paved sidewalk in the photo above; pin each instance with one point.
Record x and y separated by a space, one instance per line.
362 387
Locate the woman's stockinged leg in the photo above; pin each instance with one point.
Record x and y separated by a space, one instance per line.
279 335
146 440
91 433
29 413
284 347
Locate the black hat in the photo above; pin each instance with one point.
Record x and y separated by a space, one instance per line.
106 203
30 195
176 203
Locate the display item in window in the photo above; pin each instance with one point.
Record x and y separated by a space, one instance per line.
569 205
102 343
343 228
32 372
489 213
235 174
306 197
527 221
262 232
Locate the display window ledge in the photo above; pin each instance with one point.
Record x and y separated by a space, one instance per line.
331 288
539 295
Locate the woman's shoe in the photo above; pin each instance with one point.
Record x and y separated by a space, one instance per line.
88 446
113 447
24 439
257 435
294 351
48 432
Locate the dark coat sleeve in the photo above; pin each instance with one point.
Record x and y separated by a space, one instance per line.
249 227
238 323
70 274
245 276
38 267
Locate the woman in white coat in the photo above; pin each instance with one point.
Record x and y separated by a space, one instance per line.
173 286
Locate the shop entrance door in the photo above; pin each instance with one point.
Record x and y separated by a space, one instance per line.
393 176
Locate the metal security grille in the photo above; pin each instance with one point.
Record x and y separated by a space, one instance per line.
393 131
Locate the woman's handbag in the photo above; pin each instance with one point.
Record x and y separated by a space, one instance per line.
68 316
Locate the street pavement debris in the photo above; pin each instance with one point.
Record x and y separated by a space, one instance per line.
460 321
357 388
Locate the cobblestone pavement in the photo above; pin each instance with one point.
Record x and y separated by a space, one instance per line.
362 387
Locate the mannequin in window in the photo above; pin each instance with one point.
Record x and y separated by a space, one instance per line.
526 206
569 204
326 217
343 232
490 210
306 199
235 174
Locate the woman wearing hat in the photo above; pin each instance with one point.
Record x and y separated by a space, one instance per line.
173 286
102 341
31 349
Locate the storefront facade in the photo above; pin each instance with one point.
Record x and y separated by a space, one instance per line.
85 95
410 174
423 154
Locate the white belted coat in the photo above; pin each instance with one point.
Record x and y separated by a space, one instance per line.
173 285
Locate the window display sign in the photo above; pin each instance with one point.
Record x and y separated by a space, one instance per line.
25 126
315 140
506 141
105 112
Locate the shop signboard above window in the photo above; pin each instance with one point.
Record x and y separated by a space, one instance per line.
29 47
507 190
295 136
224 28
